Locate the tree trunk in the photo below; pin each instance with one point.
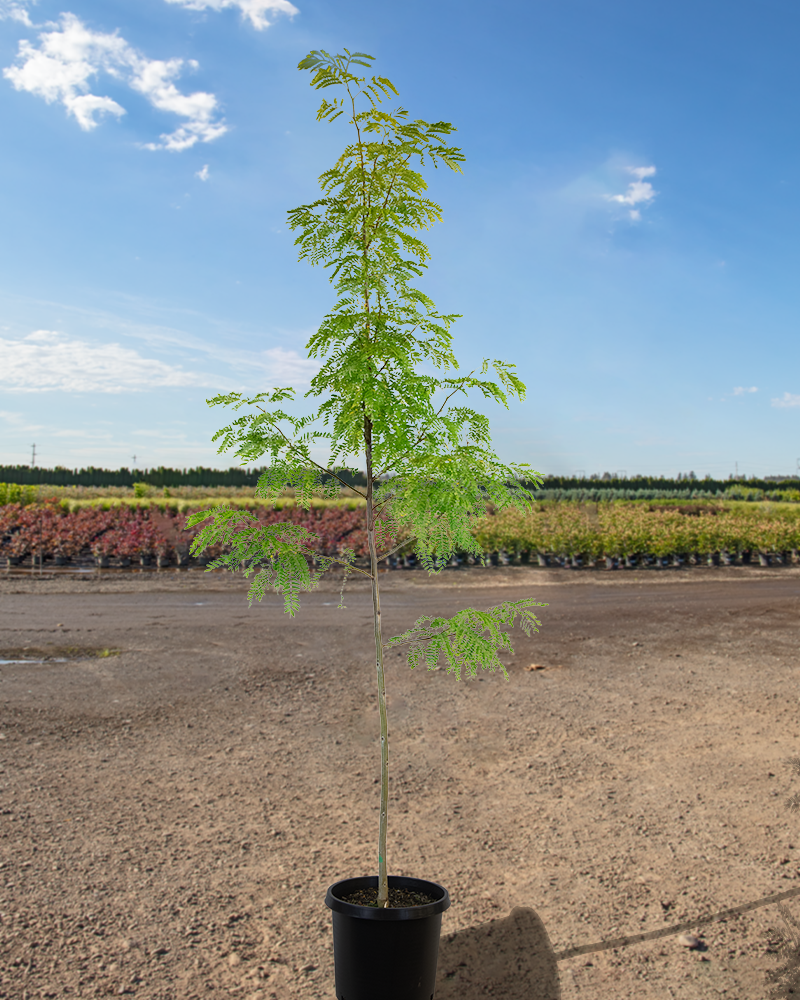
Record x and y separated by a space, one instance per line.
383 882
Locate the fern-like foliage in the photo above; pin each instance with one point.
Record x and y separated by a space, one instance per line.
284 439
276 553
470 639
388 387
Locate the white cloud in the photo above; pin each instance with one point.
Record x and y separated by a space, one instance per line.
255 10
45 361
71 55
18 421
286 367
639 191
740 390
16 10
787 400
203 173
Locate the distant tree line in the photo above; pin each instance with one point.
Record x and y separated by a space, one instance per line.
661 484
554 487
200 476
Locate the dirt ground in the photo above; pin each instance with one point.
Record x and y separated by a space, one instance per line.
172 814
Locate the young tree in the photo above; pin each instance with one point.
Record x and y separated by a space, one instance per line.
389 394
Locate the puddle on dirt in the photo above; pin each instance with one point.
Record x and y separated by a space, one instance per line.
105 571
59 659
54 654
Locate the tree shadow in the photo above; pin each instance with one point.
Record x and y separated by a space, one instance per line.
510 957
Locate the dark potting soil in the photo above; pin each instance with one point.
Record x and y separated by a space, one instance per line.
397 897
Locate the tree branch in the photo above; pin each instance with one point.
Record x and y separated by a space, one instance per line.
416 638
320 467
422 433
343 562
397 548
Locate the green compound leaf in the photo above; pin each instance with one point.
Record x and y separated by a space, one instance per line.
276 553
307 481
462 638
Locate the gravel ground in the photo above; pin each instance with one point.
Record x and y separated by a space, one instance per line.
172 814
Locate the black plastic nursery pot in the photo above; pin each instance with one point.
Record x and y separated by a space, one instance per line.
388 953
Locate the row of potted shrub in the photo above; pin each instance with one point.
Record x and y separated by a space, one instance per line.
125 535
569 534
633 532
182 499
47 532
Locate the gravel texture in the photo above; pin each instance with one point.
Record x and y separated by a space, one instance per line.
172 814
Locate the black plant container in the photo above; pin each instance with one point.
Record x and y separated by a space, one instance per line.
388 953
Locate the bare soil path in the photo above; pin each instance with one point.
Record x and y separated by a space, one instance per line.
172 814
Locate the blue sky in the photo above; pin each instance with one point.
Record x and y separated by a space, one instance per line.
625 229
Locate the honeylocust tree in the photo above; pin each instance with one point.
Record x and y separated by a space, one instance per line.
388 394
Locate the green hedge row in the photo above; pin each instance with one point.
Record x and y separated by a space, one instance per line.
626 529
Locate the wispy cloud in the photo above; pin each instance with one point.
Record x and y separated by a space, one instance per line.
16 10
254 10
786 400
71 55
742 390
639 191
46 361
284 367
49 361
18 421
203 173
103 442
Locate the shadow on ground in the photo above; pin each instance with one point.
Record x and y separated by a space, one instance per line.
510 957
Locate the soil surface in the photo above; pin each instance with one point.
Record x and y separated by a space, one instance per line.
183 777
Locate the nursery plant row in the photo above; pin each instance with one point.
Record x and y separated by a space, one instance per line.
185 497
569 534
630 531
124 534
606 495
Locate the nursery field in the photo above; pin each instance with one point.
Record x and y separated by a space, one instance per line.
183 777
113 531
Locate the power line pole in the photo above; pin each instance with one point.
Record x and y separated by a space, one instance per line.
33 458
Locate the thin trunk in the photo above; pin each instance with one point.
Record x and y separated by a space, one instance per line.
383 883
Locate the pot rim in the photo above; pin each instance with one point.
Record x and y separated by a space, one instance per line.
334 901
